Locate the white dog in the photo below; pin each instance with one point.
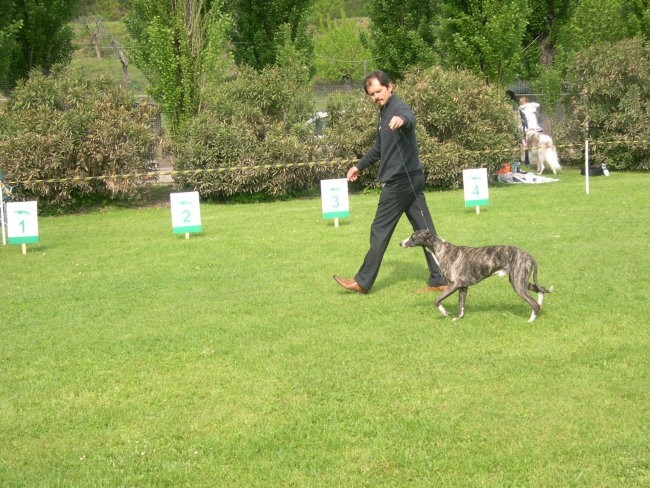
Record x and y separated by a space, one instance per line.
541 151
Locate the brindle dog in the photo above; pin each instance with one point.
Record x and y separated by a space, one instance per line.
465 266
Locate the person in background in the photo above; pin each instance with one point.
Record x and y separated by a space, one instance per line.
402 179
529 115
529 120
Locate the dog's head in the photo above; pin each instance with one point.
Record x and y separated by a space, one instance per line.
420 237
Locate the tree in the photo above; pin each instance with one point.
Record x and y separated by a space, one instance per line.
34 34
9 47
170 43
258 29
484 37
576 25
402 33
339 52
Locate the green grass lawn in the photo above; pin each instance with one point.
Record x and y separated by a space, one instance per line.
131 356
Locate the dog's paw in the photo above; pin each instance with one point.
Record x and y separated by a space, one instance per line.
443 311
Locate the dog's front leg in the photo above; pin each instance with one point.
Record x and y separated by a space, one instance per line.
462 295
448 291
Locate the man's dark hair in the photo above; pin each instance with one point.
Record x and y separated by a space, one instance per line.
382 78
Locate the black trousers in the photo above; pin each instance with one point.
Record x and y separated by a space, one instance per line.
402 196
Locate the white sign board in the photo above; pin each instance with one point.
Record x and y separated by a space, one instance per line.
22 222
186 212
475 186
334 198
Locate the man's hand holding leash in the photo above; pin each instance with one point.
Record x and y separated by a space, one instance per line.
396 122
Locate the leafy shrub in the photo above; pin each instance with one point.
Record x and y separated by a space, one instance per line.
68 126
462 123
467 124
609 89
251 120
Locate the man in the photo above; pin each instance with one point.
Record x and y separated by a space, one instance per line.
402 180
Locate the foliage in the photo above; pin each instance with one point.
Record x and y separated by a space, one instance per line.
326 9
106 9
339 51
9 46
260 29
34 34
609 93
66 125
402 34
169 44
483 37
253 119
457 113
579 25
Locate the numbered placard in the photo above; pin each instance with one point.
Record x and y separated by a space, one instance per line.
334 198
186 212
22 222
475 186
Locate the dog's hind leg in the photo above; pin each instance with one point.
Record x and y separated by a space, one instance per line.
537 288
462 295
541 159
521 286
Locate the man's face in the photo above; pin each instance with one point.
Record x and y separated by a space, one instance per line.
379 93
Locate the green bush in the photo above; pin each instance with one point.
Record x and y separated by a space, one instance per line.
251 120
69 126
609 89
462 123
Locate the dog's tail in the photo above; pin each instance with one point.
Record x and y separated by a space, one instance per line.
552 158
536 287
